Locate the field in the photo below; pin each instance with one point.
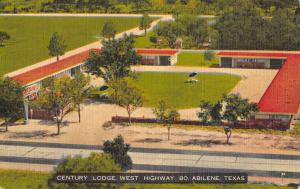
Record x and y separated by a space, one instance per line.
30 36
195 59
171 88
37 180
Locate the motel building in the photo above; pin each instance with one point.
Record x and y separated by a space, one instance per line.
281 100
253 60
158 57
32 79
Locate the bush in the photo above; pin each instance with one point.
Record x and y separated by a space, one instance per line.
95 163
118 150
153 39
209 55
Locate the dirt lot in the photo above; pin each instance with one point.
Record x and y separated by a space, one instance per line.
92 130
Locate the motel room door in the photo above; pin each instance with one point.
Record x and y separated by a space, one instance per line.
165 60
250 64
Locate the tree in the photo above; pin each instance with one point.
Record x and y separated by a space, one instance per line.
228 132
11 100
145 23
160 111
139 4
57 45
193 27
109 31
107 4
169 31
56 95
94 5
283 32
241 28
119 152
297 30
237 108
80 90
171 117
114 60
205 111
166 116
3 37
210 112
209 55
278 4
95 163
126 96
216 111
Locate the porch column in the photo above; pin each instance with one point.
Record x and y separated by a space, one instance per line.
26 112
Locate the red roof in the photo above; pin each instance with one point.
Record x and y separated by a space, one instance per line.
50 69
72 61
167 52
283 94
253 54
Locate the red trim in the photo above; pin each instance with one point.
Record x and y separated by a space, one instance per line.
50 69
167 52
253 54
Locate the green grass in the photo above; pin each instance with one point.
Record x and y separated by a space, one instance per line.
10 179
171 88
184 58
23 179
30 36
144 42
296 130
195 59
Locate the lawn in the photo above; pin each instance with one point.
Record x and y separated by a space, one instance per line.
30 36
144 42
171 88
296 130
23 180
36 180
195 59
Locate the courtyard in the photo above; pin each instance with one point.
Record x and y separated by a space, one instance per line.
175 91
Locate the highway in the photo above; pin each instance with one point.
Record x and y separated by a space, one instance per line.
167 160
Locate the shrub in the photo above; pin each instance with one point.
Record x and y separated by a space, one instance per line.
209 55
153 39
95 163
118 150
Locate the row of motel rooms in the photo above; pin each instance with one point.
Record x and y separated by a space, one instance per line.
280 101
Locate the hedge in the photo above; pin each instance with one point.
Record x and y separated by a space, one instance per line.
251 124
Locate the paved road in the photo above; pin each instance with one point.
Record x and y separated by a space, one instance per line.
144 159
